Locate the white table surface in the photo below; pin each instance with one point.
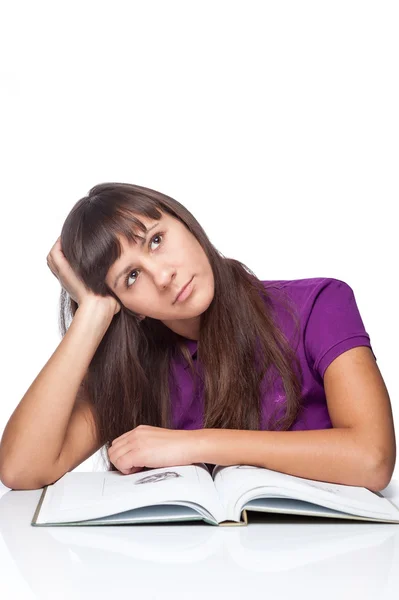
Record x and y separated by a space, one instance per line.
277 556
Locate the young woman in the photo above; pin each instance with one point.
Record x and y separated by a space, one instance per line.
176 354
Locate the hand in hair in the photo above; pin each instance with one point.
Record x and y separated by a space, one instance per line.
71 282
154 447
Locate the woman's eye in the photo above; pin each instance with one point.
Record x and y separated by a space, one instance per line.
157 235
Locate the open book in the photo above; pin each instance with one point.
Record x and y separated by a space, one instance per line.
193 493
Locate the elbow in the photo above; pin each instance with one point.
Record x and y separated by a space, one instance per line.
5 479
381 471
19 483
23 485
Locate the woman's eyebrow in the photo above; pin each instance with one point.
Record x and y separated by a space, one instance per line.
128 268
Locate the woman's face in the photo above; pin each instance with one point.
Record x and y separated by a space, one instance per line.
147 278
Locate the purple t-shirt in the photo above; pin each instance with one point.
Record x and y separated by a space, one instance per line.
330 324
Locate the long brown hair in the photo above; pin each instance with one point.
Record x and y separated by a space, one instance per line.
239 345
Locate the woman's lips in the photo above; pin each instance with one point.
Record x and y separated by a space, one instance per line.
186 292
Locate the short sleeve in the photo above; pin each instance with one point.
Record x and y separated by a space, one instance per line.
334 325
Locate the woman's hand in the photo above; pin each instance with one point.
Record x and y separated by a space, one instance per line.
70 281
154 447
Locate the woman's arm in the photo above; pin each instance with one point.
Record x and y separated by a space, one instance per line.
35 433
360 450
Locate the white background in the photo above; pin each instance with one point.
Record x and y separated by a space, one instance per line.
275 123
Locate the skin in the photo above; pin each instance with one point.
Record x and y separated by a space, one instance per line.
160 268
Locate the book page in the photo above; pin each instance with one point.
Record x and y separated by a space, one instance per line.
88 495
239 484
